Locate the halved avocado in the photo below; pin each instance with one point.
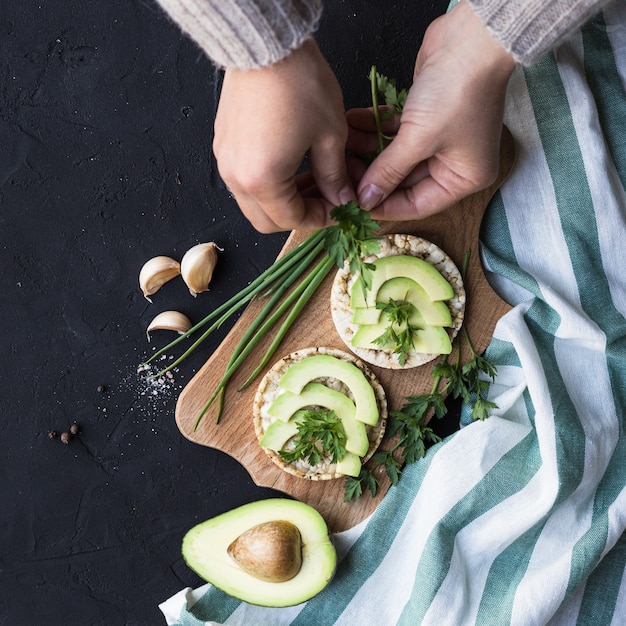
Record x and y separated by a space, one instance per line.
314 394
321 365
205 549
435 313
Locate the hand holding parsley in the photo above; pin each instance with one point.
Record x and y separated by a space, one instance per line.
267 121
447 137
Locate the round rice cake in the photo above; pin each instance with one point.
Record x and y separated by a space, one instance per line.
394 245
268 390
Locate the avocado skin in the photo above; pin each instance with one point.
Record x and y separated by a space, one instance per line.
205 550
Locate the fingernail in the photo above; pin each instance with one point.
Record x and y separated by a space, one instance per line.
370 197
346 194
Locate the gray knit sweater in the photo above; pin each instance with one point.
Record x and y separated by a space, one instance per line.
253 33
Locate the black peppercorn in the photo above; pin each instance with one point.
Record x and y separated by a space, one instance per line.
52 434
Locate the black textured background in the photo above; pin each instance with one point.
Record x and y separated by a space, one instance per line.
106 117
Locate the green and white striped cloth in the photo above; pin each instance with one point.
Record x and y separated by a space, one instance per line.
518 519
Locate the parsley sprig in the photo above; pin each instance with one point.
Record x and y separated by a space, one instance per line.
399 331
351 239
354 487
320 435
393 98
384 87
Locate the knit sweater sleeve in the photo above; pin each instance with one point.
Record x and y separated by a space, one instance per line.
246 33
530 28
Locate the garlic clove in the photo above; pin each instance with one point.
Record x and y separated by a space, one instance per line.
156 272
169 320
197 265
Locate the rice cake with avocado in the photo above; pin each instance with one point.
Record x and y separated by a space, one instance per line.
269 389
396 245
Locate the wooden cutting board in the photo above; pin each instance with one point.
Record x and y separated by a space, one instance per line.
455 231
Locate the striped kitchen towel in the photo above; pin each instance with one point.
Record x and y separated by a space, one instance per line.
518 519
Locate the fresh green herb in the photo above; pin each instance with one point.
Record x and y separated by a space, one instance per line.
294 303
380 85
411 435
409 424
397 311
393 98
351 239
390 462
399 332
455 385
320 435
477 386
474 371
353 487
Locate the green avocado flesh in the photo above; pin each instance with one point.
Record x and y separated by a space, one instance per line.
388 267
423 273
435 313
350 465
427 340
288 403
278 433
205 550
325 365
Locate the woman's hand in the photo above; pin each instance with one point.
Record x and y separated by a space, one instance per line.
448 136
267 121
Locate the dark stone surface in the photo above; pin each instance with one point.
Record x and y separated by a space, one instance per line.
105 161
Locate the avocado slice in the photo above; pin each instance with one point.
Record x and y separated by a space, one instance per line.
315 394
278 433
387 267
205 549
350 465
322 365
434 312
427 340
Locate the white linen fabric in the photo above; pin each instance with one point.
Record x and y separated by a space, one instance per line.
518 519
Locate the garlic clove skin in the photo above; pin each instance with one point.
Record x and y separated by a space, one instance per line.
197 265
169 320
156 272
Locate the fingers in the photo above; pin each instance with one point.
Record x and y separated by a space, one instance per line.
421 200
389 170
328 168
260 143
431 187
268 211
363 119
363 135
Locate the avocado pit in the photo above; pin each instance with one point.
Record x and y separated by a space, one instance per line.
271 551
